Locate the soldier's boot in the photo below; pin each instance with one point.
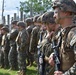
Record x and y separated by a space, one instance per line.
5 67
31 63
12 68
2 66
28 62
21 72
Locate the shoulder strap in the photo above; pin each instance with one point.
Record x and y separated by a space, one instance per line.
67 30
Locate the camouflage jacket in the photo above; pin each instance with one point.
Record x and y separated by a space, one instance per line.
72 39
34 39
68 46
29 30
22 39
5 43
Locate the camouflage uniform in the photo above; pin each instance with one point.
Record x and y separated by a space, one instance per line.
34 41
1 53
5 46
13 50
22 42
34 38
72 54
46 49
74 19
68 34
47 19
13 47
29 28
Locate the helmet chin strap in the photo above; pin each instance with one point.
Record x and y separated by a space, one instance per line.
60 17
65 17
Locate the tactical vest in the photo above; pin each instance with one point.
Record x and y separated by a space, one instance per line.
67 55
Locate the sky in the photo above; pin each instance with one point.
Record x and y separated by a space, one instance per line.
10 6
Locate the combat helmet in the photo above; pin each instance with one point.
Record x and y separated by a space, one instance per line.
29 21
48 17
21 23
5 28
35 18
1 25
39 19
14 22
65 5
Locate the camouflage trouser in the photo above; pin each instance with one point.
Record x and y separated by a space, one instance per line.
1 58
22 60
6 62
30 58
13 58
35 55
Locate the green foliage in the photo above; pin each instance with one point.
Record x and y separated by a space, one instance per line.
35 6
7 72
29 71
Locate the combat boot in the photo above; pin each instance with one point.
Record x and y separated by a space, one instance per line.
18 73
30 65
21 72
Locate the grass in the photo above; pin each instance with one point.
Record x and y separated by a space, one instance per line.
30 71
6 72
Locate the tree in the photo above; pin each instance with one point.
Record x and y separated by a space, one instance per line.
35 6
